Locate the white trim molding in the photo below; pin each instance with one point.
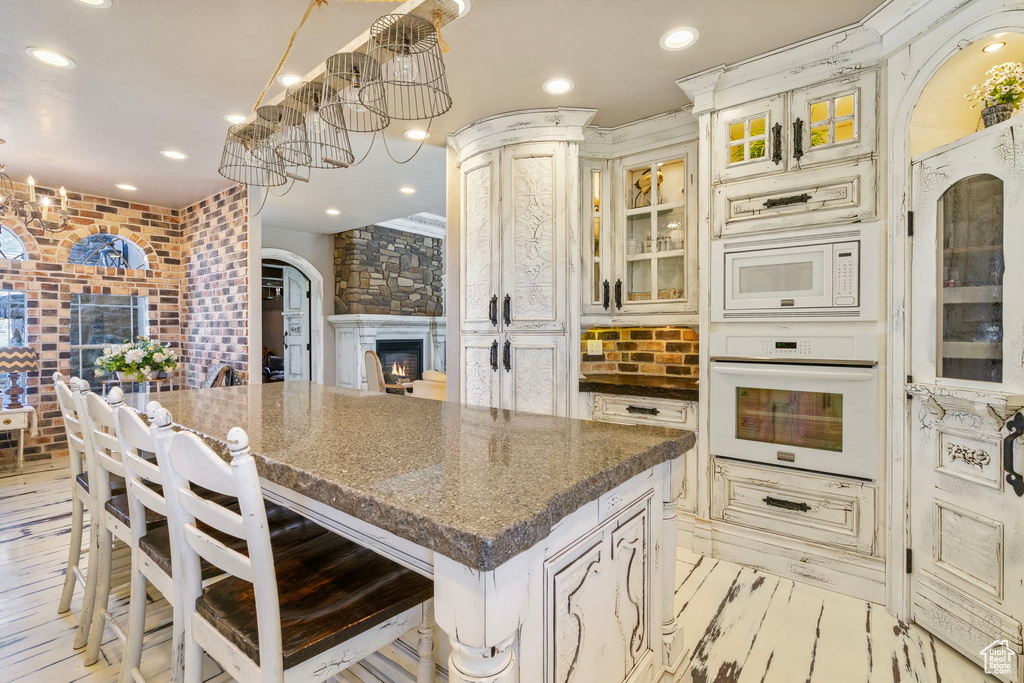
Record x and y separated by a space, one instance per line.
316 313
426 224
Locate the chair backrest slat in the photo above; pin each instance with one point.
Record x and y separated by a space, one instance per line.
218 554
72 425
99 431
191 463
133 441
213 514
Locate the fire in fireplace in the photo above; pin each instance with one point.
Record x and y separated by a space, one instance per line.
401 359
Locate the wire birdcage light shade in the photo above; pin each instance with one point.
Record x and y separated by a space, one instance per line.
341 106
320 144
410 81
238 163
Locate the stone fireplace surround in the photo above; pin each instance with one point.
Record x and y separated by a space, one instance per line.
355 334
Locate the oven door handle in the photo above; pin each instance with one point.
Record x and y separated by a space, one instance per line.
788 373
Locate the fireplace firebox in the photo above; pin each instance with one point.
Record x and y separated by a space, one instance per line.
401 359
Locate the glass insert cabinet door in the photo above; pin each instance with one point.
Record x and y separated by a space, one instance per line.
749 139
597 243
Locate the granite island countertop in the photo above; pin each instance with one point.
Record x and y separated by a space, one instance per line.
477 485
654 386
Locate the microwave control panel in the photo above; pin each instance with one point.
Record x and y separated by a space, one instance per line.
846 271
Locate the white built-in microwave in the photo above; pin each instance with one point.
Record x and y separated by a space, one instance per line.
811 274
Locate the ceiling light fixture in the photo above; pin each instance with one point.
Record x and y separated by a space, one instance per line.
558 86
50 58
993 47
97 4
35 210
407 190
174 154
288 79
416 134
679 38
332 212
464 7
126 186
234 118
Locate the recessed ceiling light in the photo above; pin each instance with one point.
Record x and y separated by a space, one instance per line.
98 4
234 118
288 79
126 186
464 6
332 212
407 190
993 47
558 86
417 134
174 154
51 58
679 38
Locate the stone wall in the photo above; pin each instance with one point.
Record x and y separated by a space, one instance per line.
215 289
385 271
670 351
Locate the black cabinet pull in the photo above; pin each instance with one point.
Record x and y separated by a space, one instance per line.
1013 477
618 294
607 294
642 410
494 355
777 143
786 504
506 355
798 139
492 312
506 309
787 201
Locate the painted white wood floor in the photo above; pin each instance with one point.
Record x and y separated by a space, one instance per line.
740 624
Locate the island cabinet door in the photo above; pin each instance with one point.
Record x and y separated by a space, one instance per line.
533 236
480 359
599 615
533 374
480 243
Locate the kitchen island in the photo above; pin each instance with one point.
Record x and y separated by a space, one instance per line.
551 541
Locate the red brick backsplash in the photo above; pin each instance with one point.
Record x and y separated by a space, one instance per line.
661 351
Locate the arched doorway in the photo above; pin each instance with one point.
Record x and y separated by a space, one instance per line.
298 276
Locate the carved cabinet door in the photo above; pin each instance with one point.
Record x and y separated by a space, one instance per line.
480 218
480 360
533 237
533 374
966 495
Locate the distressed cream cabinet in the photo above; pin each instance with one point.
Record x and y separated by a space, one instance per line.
798 159
518 195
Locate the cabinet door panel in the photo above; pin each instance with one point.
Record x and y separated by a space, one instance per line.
596 240
533 235
744 139
836 120
480 220
534 378
479 378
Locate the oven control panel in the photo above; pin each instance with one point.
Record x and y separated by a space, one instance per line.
784 346
845 273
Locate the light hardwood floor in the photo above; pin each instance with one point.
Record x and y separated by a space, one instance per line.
741 624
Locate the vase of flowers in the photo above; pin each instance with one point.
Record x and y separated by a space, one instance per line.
1001 94
138 360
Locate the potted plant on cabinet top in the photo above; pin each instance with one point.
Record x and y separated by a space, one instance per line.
1001 94
138 360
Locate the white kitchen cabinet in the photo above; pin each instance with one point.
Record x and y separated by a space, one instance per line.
834 121
480 256
532 373
479 372
598 239
750 139
657 412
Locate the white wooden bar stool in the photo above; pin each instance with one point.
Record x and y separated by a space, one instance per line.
301 616
155 549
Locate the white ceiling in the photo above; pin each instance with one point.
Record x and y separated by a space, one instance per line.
157 75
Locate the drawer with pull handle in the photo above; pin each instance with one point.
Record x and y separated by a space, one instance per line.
13 421
660 412
829 510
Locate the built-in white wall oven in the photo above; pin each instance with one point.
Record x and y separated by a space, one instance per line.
801 401
824 274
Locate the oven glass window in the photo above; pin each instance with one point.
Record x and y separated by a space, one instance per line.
806 419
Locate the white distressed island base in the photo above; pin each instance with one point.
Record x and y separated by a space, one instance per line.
558 572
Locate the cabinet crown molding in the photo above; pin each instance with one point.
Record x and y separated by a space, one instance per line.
556 124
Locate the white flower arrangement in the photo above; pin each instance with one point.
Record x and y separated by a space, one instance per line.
143 357
1004 85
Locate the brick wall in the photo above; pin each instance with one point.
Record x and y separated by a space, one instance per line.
385 271
49 281
660 351
215 290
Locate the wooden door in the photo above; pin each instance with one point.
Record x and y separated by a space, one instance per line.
750 140
481 202
295 310
533 238
533 374
479 373
966 510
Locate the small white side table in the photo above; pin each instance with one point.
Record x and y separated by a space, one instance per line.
19 420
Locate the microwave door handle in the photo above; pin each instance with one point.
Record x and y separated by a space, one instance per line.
788 373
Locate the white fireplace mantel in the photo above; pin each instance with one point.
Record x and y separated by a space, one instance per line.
356 334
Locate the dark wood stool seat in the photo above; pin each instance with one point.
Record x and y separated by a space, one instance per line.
117 485
118 507
330 589
287 530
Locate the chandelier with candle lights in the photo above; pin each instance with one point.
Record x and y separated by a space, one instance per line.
46 216
399 77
